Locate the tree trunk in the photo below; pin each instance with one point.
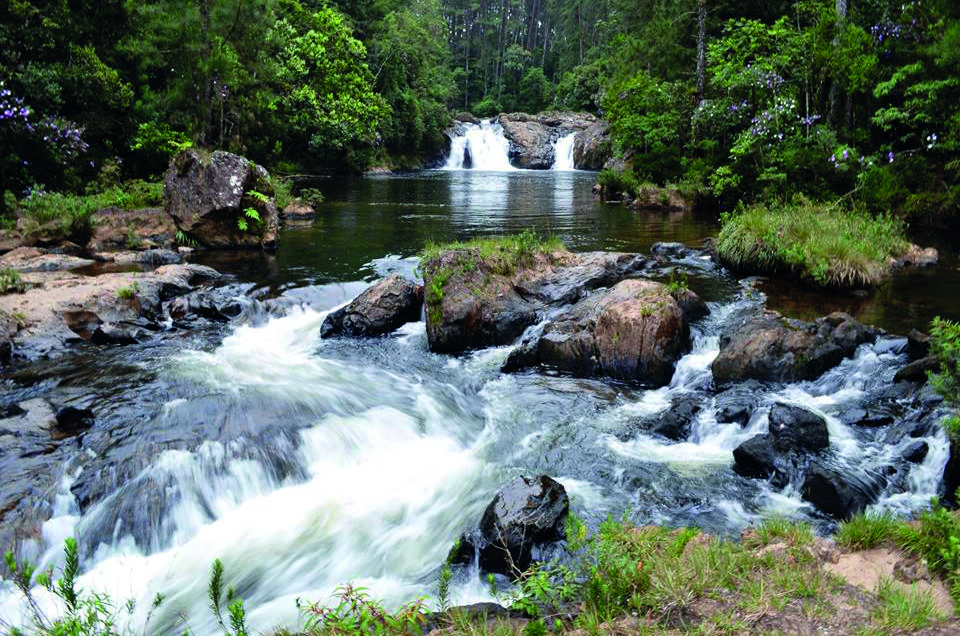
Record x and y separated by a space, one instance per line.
701 50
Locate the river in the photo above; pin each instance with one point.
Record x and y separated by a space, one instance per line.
305 463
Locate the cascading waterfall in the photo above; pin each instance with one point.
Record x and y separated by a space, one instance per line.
563 151
480 147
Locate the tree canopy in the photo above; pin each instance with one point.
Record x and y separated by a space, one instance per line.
751 100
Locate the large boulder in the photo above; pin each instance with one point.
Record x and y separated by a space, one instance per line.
380 309
592 147
525 517
634 332
208 196
771 348
530 143
473 300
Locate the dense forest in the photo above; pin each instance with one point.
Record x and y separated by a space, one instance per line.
751 100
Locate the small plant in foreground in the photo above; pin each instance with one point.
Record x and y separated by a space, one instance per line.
235 609
357 613
10 281
128 292
904 608
864 531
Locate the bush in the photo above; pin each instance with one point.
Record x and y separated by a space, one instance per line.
822 246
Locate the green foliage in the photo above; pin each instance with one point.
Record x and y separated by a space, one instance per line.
86 614
236 614
155 144
11 281
128 292
945 347
904 609
865 531
820 245
357 613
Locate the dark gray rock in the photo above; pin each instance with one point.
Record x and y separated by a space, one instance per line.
795 429
379 310
736 405
838 495
73 421
207 193
525 516
674 423
756 457
916 452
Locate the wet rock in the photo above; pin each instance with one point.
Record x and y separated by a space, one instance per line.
473 303
736 405
674 424
795 429
203 304
916 452
838 495
379 310
151 257
207 193
691 305
917 370
73 421
592 147
771 348
918 345
635 332
951 474
530 143
298 210
112 333
756 457
525 517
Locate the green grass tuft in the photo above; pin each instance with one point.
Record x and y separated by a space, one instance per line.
823 246
865 531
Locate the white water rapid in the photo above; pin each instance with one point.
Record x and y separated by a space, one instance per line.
481 147
336 461
563 151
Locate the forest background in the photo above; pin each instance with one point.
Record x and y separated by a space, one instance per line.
852 99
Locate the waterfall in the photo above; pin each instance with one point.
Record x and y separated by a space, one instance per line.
480 147
563 151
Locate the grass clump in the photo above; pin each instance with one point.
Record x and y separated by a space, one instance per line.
900 608
11 281
820 245
501 256
865 531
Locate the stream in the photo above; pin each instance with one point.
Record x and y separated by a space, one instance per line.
304 463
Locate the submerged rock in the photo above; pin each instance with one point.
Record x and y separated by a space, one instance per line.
379 310
524 518
771 348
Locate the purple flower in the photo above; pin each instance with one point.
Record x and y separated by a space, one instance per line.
890 157
846 154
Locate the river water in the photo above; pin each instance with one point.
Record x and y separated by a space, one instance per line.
305 463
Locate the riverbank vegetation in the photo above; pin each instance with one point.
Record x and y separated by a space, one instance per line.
618 579
824 245
747 101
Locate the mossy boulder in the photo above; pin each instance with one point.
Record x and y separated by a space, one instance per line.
487 293
220 200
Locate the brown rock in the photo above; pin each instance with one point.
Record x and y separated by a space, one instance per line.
380 309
